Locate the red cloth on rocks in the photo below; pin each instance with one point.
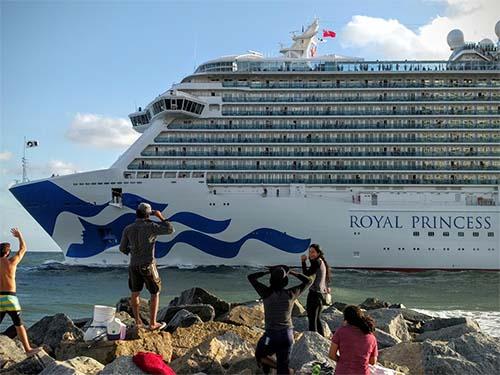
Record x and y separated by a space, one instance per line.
152 363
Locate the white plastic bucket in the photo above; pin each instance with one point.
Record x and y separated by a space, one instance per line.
103 315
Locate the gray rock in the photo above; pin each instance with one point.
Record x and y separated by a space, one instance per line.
447 333
250 316
332 310
439 323
415 316
82 323
397 306
479 348
74 366
334 319
385 340
195 296
373 303
31 365
298 309
124 305
11 352
51 330
214 355
339 305
438 358
301 324
184 319
392 322
310 347
205 312
121 366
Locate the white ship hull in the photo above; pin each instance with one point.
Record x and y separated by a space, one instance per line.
241 226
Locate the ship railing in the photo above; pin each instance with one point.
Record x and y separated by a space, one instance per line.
357 85
358 140
402 126
333 112
311 168
415 100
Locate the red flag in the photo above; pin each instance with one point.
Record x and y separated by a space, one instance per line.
329 34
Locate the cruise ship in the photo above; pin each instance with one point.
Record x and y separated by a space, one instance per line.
388 165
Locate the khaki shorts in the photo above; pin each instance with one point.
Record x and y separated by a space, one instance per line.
145 274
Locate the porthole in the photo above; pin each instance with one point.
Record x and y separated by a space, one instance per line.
446 234
460 234
475 234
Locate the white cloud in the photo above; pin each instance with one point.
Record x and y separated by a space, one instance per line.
59 167
5 155
100 131
390 39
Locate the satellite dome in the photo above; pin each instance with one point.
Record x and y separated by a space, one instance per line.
486 43
455 38
497 29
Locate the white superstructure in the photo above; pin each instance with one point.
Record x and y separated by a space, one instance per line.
386 164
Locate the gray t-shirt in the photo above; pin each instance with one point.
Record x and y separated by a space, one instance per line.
318 269
278 304
138 240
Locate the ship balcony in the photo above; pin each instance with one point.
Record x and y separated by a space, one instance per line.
331 140
369 100
149 165
358 85
487 125
316 154
360 112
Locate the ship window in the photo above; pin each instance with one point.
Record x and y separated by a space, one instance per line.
446 234
430 234
460 234
475 234
416 234
116 195
491 234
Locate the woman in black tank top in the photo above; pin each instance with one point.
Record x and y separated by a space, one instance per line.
316 298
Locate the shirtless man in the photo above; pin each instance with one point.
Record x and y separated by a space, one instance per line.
9 304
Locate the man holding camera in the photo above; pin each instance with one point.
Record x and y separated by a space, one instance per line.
138 240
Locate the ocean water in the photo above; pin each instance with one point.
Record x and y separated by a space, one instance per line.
46 286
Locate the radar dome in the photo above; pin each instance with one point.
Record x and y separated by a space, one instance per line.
455 38
497 29
486 43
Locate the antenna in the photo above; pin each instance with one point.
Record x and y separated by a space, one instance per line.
24 162
195 50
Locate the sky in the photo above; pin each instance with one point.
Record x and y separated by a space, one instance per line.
72 71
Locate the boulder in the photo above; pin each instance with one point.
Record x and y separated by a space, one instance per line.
333 318
245 316
392 322
107 351
298 309
373 304
332 310
183 318
205 312
51 330
479 348
404 354
124 305
301 324
447 333
415 316
11 351
121 366
311 346
185 339
385 340
440 323
74 366
439 358
31 365
82 323
195 296
339 305
215 355
129 321
397 306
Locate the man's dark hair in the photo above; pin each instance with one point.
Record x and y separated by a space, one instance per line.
141 214
4 249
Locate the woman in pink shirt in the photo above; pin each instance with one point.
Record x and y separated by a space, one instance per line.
355 342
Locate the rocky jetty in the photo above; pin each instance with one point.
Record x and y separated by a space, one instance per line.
206 335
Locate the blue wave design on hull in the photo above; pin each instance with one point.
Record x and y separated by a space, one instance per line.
45 200
223 249
97 238
200 223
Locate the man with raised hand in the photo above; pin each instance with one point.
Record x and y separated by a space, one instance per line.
138 240
9 303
